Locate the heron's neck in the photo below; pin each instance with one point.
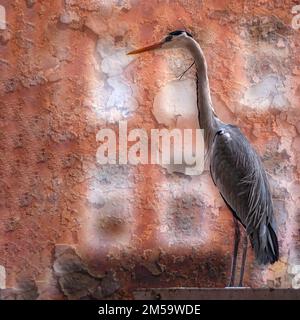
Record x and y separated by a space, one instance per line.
207 119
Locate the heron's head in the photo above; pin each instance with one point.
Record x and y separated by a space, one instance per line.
175 39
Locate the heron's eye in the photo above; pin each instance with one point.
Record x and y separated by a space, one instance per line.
168 38
189 34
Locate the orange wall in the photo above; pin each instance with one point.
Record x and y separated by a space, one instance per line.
64 75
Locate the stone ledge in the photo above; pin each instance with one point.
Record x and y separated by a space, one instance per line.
216 294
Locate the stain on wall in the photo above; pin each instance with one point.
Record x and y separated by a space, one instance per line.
71 228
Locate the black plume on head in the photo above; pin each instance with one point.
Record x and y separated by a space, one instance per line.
178 32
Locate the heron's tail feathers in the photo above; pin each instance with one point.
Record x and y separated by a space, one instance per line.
265 244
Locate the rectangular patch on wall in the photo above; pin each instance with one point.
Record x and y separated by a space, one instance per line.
2 18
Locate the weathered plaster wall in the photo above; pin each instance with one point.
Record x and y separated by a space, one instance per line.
71 228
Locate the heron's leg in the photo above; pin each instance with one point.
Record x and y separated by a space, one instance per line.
244 256
235 251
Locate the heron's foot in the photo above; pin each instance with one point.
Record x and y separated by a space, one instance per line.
241 285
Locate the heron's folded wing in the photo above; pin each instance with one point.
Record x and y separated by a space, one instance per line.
240 177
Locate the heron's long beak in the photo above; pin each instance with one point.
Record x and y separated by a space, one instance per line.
148 48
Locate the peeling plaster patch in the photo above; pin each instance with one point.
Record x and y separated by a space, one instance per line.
114 99
2 277
2 18
100 5
178 61
182 213
296 281
109 215
269 92
294 271
114 59
175 106
121 98
68 17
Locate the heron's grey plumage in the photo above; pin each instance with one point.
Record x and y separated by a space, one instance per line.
236 170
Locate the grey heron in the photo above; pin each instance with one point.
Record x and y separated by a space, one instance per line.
235 167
